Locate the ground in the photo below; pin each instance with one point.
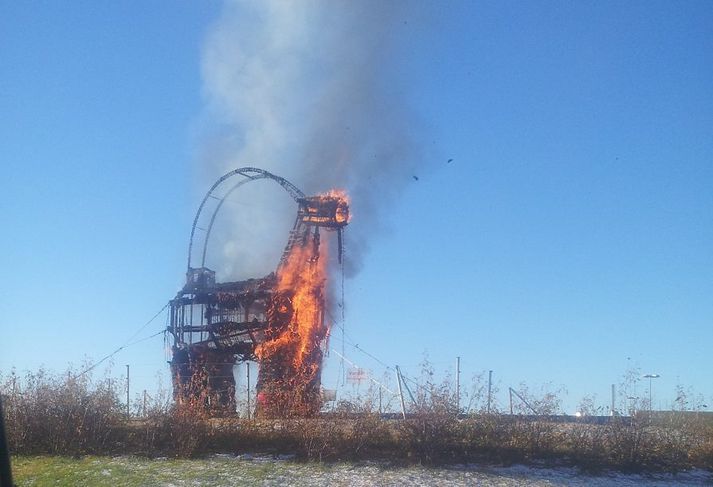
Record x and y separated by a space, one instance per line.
227 470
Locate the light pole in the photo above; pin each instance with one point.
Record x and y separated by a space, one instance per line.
128 412
651 376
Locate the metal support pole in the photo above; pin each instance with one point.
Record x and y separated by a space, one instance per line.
513 391
490 389
613 404
247 390
144 403
651 396
408 389
380 400
128 412
510 391
457 385
401 392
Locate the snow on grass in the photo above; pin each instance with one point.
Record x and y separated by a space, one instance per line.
228 470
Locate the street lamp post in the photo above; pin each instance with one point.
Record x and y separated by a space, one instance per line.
650 377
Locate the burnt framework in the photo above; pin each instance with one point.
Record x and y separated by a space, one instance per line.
215 325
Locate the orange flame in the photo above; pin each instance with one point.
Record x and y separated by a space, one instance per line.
302 276
343 214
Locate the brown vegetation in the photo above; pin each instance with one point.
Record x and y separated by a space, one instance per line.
68 415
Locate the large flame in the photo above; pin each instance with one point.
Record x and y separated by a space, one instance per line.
297 325
302 276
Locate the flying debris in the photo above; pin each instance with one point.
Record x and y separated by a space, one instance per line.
415 178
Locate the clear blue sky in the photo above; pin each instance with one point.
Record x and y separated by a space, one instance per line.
570 238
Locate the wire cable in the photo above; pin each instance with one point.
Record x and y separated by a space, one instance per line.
128 342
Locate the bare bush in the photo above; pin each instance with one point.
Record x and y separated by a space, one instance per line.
74 415
585 441
184 430
480 399
431 431
65 414
319 438
533 436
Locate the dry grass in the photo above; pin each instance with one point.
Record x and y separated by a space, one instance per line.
62 415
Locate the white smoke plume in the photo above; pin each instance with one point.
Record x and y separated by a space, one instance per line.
307 90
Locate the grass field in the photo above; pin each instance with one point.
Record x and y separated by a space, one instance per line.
133 471
227 470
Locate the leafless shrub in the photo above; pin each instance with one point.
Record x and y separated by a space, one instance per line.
431 431
319 438
368 434
352 430
70 414
479 398
60 414
700 452
530 435
586 441
184 430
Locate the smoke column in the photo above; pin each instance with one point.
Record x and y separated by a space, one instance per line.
307 90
